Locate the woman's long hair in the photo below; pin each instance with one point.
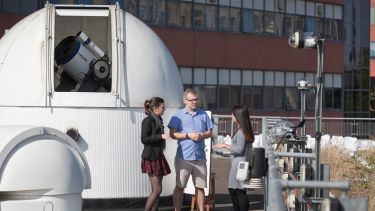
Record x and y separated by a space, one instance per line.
152 103
243 118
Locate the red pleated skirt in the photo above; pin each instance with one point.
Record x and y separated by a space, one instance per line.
158 167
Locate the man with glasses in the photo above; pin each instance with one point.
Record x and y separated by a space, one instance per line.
190 126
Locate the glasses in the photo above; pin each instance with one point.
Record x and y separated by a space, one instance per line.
193 100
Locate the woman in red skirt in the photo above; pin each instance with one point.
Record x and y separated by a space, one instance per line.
153 160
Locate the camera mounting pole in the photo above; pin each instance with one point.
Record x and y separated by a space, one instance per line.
310 40
318 108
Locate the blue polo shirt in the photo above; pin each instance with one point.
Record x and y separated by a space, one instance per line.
185 122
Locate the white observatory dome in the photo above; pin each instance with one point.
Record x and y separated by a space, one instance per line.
41 167
90 69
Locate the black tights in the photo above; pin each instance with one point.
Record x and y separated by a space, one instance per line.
152 202
239 199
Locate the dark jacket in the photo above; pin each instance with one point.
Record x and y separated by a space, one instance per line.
151 138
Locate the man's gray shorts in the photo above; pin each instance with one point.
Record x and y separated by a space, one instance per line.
196 168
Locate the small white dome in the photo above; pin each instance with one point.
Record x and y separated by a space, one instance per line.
40 161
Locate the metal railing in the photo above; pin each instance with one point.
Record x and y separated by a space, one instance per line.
354 127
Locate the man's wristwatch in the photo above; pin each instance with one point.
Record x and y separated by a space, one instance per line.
186 135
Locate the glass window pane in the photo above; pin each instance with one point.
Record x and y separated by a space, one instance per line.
131 7
329 11
235 77
290 25
299 76
300 7
319 10
328 95
145 10
173 13
199 76
247 4
280 5
291 6
198 16
310 100
207 96
337 99
337 81
279 23
328 29
223 18
270 5
279 78
257 21
292 98
289 79
224 77
268 78
310 8
235 3
223 96
159 12
211 17
328 80
247 20
310 77
269 22
258 98
185 14
224 2
200 1
234 20
348 102
337 14
258 78
278 98
268 97
211 76
300 23
247 77
311 24
235 95
186 75
247 95
259 4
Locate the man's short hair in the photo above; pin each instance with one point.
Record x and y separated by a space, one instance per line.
189 90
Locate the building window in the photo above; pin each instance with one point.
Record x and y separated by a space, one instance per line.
278 98
198 16
269 22
257 22
223 18
131 7
173 13
267 97
145 10
247 96
235 95
211 17
234 20
223 97
185 15
292 98
247 21
257 98
159 12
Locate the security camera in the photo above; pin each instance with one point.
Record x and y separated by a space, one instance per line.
303 40
303 84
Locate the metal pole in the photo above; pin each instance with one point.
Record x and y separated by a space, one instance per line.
318 110
303 108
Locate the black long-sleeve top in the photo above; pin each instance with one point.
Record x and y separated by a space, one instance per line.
151 137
